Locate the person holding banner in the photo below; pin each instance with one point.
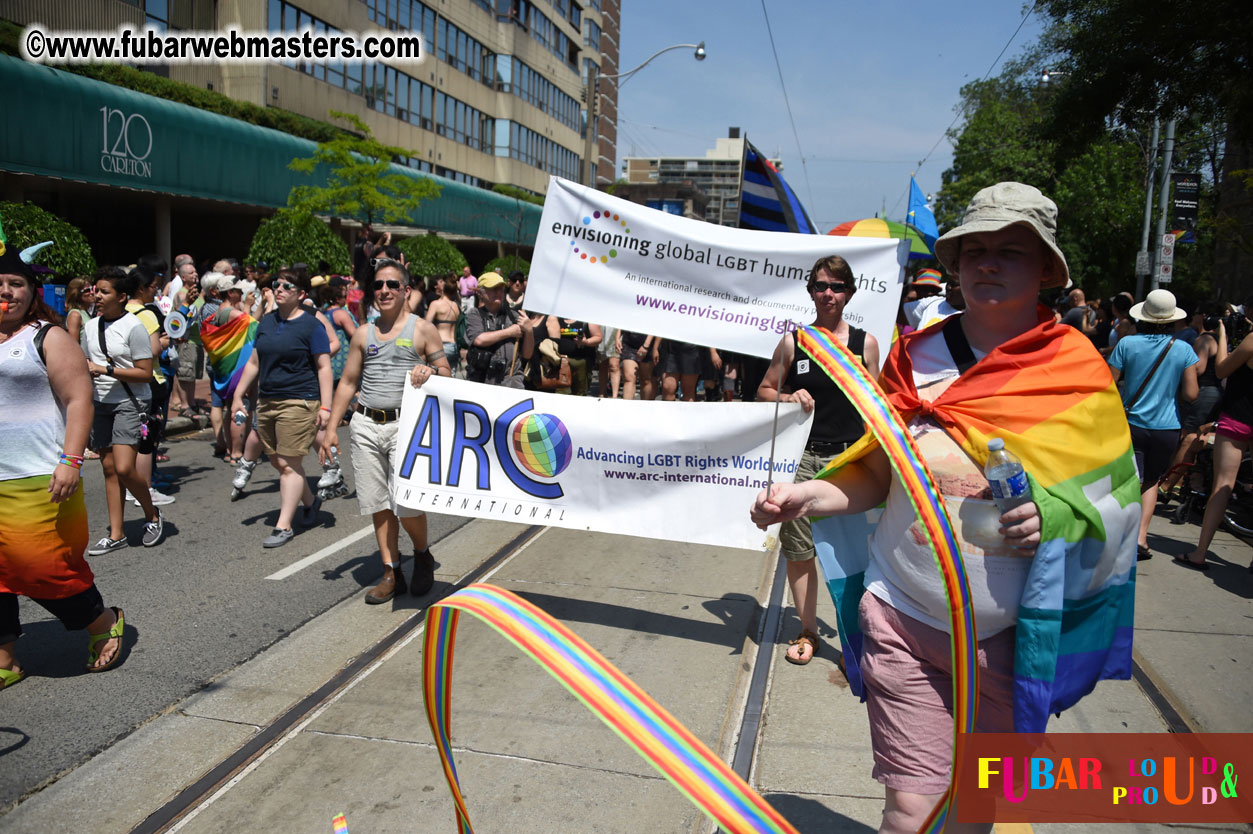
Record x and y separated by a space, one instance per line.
381 355
1046 588
501 340
794 378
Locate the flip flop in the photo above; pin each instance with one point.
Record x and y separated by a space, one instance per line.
8 677
93 654
1188 563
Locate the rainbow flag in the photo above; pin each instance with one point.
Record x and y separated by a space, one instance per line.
228 347
1050 396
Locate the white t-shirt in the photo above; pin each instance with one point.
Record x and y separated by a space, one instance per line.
127 340
927 311
903 571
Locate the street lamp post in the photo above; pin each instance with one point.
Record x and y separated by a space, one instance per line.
591 94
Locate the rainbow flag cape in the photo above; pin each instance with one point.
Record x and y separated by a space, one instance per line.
228 347
1050 396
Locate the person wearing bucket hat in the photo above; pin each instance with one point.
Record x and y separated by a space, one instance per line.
1156 369
1055 572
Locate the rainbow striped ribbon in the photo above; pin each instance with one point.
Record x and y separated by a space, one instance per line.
628 710
340 824
894 438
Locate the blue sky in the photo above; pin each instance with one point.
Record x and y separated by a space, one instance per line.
873 86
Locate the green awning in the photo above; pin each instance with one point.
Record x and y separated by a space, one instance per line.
71 127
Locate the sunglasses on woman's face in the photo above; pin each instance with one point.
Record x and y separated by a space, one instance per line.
391 285
823 286
285 285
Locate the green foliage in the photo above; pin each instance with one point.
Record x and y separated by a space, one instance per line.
295 236
26 224
517 193
1100 207
358 182
431 255
508 264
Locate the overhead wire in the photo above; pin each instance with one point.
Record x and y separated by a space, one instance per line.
787 102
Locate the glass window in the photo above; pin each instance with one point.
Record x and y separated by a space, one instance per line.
353 75
275 16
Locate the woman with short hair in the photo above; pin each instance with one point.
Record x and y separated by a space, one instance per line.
292 365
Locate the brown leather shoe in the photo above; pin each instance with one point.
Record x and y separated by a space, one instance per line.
423 572
393 580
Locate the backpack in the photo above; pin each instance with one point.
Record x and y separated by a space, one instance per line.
463 341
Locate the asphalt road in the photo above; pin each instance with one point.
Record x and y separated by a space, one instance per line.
196 606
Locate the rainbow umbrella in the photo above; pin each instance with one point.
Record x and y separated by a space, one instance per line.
878 227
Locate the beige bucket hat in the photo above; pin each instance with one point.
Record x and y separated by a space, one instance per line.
1001 205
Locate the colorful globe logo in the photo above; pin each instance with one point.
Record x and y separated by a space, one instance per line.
542 445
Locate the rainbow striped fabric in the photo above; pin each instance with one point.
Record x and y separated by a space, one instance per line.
655 734
1050 396
228 347
339 825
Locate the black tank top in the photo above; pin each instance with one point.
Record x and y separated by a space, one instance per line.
835 418
1238 398
1209 379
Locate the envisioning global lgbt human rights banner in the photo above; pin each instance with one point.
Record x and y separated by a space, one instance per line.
602 259
679 471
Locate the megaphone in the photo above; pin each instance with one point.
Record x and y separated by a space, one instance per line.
176 324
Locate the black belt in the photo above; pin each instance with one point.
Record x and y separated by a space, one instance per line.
824 447
380 415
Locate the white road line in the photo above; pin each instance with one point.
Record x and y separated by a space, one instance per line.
365 673
314 558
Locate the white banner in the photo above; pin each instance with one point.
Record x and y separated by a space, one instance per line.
601 259
679 471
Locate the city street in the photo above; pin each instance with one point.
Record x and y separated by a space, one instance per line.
271 703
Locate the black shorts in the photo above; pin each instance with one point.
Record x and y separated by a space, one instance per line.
681 358
1154 449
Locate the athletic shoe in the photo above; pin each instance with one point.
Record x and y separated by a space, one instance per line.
107 545
243 473
310 516
159 499
278 538
154 531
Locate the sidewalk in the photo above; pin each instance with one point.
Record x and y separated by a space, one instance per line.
681 620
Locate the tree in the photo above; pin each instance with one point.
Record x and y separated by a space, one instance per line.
358 180
431 255
26 224
507 264
296 236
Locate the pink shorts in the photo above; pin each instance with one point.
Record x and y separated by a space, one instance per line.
1234 429
907 670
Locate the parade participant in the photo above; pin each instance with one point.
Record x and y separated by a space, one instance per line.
335 295
146 282
1159 368
1001 369
443 312
293 368
516 296
681 365
794 378
228 334
381 356
120 355
1234 433
1201 411
501 340
45 416
609 365
576 342
636 352
80 297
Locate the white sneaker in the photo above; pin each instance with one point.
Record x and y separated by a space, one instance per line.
159 499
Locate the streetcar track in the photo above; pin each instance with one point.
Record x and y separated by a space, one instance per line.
187 803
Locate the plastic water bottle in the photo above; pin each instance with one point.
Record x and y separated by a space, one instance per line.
1006 476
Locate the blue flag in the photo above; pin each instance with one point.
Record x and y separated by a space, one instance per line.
921 216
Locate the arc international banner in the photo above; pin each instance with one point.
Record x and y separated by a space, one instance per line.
602 259
666 470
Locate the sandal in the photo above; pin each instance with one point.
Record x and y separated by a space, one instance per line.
1188 563
8 677
187 412
807 638
93 654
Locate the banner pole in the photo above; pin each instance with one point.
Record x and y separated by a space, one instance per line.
774 430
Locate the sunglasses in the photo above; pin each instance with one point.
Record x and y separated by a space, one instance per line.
823 286
285 285
391 285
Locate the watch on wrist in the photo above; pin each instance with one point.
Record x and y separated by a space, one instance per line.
108 369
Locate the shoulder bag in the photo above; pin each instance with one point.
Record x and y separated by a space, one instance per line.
1126 406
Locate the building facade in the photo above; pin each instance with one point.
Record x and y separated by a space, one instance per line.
498 98
718 174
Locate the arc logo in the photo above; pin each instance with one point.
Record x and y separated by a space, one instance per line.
526 443
599 225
